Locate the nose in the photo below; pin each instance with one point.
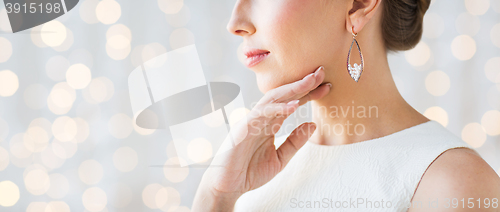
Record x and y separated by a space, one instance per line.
240 23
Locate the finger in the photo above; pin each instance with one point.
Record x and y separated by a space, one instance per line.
294 142
316 94
287 92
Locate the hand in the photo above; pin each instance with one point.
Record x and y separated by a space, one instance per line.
254 160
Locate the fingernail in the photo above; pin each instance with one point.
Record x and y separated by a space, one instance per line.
293 102
317 70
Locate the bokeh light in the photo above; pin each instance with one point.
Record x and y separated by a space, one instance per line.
94 199
36 139
167 198
474 134
149 195
9 193
491 122
37 181
58 206
53 33
437 83
9 83
36 207
419 55
64 129
477 7
438 114
463 47
118 47
90 172
61 98
78 76
125 159
492 69
108 11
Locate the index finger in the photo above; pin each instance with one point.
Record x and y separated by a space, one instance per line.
295 89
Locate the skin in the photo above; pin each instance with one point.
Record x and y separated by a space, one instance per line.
302 36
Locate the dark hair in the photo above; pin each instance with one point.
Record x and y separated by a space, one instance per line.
402 22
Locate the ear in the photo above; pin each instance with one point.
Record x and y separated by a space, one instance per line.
360 12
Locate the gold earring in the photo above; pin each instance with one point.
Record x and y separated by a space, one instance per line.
355 70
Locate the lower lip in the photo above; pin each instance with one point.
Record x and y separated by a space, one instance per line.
256 59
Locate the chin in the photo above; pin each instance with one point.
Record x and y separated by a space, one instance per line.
266 84
263 87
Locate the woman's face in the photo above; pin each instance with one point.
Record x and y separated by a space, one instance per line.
300 35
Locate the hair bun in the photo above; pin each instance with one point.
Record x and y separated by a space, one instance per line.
402 23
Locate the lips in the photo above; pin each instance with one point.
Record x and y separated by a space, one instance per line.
255 56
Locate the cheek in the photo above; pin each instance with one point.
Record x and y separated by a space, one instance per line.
302 34
290 35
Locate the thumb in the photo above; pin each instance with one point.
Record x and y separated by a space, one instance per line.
294 142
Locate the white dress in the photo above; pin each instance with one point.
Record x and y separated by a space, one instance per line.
380 174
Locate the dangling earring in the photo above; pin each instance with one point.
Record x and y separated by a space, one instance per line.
355 70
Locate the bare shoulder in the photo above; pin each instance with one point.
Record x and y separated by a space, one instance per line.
458 180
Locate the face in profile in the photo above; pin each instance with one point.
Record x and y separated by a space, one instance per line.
287 39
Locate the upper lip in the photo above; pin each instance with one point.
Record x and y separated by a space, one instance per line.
250 52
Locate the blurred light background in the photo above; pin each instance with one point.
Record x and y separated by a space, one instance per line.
67 140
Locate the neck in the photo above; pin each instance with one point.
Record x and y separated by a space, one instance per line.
358 111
